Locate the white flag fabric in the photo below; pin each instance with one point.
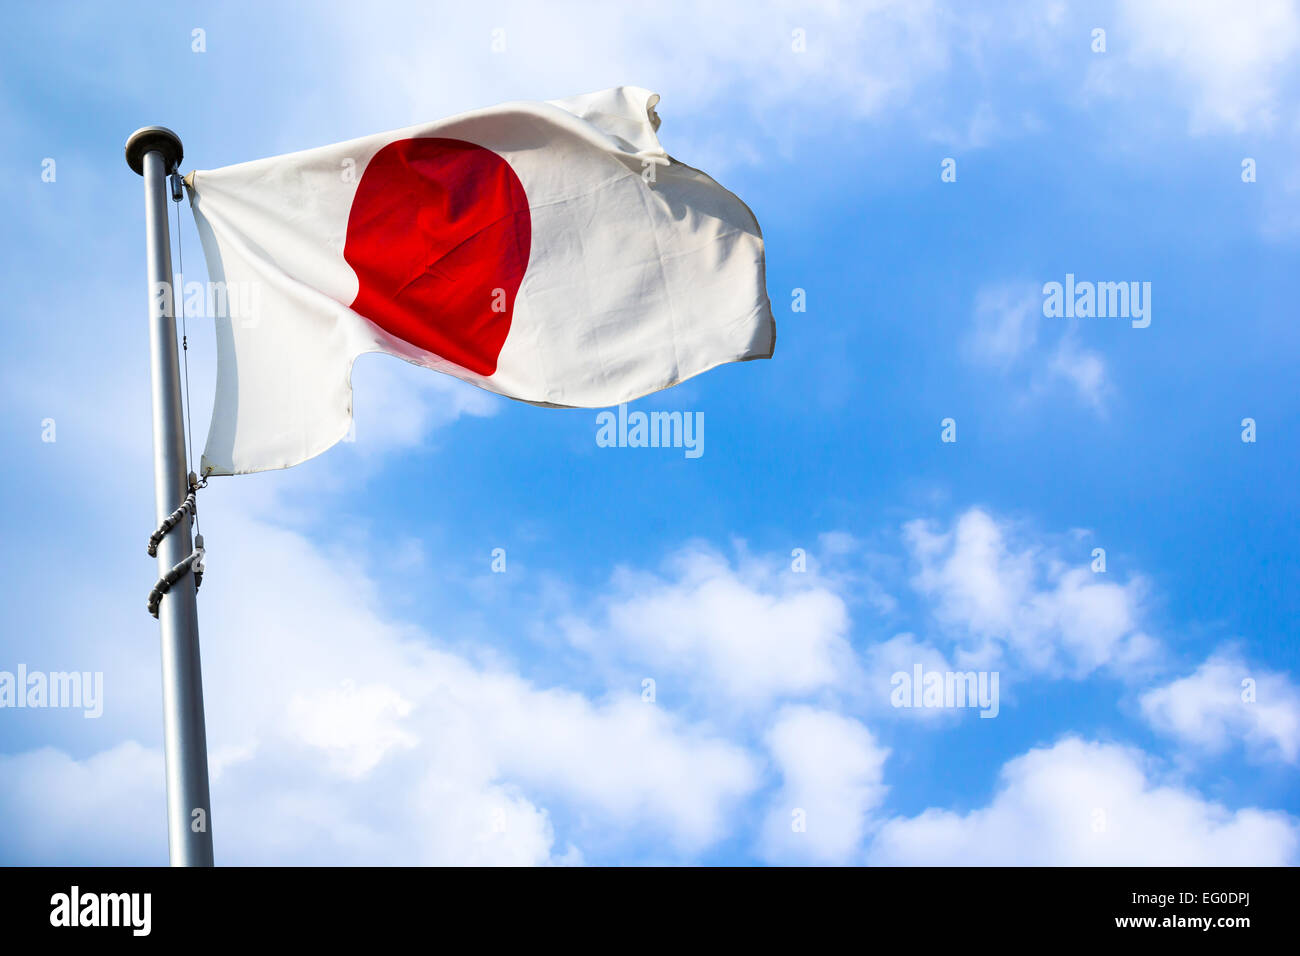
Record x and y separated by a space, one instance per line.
551 252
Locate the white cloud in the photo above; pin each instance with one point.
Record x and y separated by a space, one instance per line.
1004 338
455 720
1089 804
1214 707
1024 603
1007 318
103 810
341 736
901 653
832 776
398 405
1084 369
627 760
751 634
702 58
355 726
939 67
1232 62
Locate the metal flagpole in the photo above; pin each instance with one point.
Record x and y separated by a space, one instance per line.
155 152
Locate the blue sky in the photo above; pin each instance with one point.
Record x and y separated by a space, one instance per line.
376 694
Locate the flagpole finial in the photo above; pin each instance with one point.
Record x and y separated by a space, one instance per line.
150 138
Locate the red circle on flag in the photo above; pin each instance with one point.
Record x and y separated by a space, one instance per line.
439 236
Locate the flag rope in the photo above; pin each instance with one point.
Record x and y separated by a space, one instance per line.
190 505
165 583
177 192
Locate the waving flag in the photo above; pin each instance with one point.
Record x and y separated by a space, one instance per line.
550 252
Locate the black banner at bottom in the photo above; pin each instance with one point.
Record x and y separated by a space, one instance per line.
976 905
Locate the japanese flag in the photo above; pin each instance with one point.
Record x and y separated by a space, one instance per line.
550 252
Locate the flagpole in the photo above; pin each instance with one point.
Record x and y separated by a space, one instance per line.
155 152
